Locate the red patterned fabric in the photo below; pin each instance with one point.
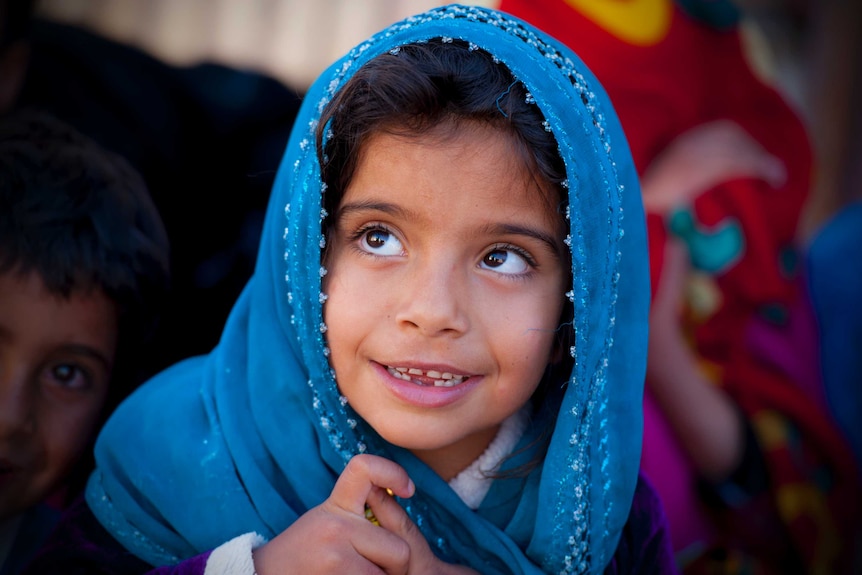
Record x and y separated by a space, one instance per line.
751 334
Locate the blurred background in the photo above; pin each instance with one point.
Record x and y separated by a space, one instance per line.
292 40
810 49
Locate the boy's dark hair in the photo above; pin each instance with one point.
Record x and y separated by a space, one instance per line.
79 215
16 17
419 87
82 218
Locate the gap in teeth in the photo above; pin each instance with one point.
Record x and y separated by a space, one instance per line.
444 379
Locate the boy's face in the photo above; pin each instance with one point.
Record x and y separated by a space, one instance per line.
446 282
56 357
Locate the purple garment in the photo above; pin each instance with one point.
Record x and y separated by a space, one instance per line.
645 545
80 545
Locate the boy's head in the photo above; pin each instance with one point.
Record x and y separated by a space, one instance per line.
15 20
83 269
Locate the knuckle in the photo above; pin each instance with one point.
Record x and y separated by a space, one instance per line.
330 530
400 552
359 465
377 497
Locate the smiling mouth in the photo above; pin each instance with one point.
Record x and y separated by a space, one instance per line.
427 378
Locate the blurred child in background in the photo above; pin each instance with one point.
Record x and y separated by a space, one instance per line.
83 273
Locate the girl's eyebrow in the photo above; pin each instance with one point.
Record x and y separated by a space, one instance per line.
519 230
375 206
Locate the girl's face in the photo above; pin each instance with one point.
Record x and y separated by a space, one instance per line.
446 281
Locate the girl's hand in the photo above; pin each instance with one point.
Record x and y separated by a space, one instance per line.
336 537
394 519
702 158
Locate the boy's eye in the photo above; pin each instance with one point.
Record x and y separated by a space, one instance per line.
380 242
505 261
69 376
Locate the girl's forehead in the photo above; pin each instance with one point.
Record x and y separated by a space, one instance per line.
461 131
505 158
467 136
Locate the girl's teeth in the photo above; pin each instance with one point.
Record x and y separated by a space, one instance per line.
444 379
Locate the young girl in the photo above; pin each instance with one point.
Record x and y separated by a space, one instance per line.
437 366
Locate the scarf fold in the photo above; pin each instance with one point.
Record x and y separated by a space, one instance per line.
252 435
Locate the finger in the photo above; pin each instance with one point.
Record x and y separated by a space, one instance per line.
771 169
749 157
392 516
380 546
749 162
669 293
703 158
394 519
362 475
674 261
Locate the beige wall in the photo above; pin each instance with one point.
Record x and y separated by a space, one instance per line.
293 40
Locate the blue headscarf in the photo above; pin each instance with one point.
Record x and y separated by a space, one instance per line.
252 435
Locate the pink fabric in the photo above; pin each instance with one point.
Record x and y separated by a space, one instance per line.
673 477
792 348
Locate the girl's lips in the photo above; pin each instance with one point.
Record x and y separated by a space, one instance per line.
433 387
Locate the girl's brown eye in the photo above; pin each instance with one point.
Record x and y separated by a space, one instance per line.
507 261
496 259
380 242
376 238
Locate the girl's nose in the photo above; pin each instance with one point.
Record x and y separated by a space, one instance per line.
435 299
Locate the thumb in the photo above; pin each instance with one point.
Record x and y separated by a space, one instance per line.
365 475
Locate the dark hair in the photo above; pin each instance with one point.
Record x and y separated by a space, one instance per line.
16 18
420 87
82 218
